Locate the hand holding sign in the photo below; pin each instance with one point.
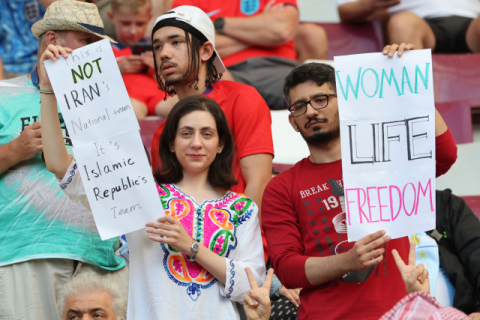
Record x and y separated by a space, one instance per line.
415 277
366 252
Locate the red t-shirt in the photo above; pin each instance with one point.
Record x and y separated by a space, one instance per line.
299 225
243 8
248 117
139 86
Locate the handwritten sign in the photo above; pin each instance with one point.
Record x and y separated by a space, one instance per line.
107 146
387 128
91 93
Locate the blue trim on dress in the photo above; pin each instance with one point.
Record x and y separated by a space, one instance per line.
232 282
69 179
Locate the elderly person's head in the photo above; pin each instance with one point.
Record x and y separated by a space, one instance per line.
90 296
69 23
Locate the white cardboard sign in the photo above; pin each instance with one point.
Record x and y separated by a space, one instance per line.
106 141
387 128
91 93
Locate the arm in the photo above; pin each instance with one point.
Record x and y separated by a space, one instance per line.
293 268
364 10
226 45
257 172
268 29
27 145
1 69
55 152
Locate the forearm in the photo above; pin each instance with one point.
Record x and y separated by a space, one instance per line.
358 11
212 262
227 46
440 125
8 156
54 150
268 29
323 269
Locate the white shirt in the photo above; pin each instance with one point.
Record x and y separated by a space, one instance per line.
434 8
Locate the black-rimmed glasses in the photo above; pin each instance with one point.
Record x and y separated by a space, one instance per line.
317 102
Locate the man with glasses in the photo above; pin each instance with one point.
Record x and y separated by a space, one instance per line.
304 217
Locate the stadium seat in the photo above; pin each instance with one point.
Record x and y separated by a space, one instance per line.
147 129
474 203
458 116
344 39
457 77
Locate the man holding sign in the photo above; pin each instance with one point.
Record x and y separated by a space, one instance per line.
304 211
45 237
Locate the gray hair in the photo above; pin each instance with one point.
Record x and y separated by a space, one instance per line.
90 281
42 45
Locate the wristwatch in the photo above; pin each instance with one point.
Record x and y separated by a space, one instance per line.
219 23
194 248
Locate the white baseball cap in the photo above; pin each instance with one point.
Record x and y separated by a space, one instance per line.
198 20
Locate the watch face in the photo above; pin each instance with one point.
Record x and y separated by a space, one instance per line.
195 247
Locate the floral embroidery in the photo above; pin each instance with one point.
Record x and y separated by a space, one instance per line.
213 223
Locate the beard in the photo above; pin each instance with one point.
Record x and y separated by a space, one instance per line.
321 137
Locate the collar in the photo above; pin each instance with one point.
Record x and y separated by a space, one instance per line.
34 76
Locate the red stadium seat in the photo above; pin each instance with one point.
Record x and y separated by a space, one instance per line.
148 128
344 39
458 116
474 203
457 77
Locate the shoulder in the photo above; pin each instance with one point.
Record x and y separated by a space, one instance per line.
18 82
284 181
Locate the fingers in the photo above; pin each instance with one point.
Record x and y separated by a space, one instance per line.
161 232
251 278
411 255
390 49
377 243
374 253
371 237
398 260
259 298
54 51
422 273
249 301
267 284
36 125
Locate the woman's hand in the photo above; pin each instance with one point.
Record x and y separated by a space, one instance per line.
53 52
173 233
389 50
415 277
257 301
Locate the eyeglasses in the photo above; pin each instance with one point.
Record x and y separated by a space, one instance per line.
318 102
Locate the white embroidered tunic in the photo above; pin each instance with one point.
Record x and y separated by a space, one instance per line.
165 285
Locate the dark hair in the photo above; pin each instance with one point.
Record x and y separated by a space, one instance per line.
169 169
319 73
195 40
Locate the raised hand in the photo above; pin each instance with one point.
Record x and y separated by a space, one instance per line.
389 50
415 277
52 52
257 301
366 252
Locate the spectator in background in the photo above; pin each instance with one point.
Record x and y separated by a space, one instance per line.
300 231
451 253
45 237
443 26
18 46
130 18
255 40
89 296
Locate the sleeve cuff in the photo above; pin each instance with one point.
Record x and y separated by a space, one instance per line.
293 274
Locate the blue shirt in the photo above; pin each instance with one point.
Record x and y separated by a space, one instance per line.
18 45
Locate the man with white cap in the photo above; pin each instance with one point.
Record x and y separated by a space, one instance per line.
45 238
187 63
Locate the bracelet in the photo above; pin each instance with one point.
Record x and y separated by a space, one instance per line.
45 91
